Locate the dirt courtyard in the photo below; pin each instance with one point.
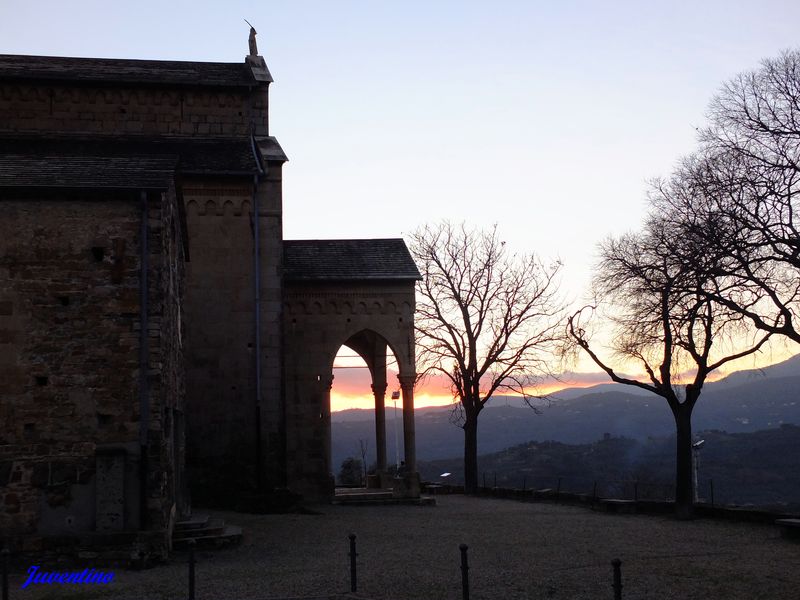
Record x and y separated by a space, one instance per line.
516 551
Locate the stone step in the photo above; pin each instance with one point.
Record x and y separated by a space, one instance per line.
231 535
344 596
193 522
363 495
211 527
372 501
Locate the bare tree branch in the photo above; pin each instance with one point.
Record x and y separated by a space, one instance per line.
486 319
657 288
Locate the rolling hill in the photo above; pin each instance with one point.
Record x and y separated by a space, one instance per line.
745 401
761 468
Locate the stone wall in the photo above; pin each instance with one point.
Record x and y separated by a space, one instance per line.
222 422
167 381
34 107
272 401
69 281
69 363
219 335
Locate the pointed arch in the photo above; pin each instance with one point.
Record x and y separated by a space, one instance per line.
369 318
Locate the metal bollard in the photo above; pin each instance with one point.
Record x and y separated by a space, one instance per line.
711 489
594 491
464 572
617 585
353 576
192 544
558 489
5 573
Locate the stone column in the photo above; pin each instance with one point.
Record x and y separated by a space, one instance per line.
409 438
379 391
325 385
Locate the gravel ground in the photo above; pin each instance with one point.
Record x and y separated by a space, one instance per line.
516 551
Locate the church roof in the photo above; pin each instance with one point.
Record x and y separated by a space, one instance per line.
348 260
129 71
69 171
217 156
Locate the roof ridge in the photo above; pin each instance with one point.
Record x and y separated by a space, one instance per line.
346 239
79 70
114 59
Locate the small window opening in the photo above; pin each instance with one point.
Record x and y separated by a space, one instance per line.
64 300
41 380
99 253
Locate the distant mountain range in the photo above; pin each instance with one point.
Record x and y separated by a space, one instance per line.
745 401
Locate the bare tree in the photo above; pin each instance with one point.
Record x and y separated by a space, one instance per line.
757 114
744 217
487 320
653 287
746 180
720 255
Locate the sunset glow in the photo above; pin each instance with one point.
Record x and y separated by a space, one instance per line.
351 385
346 401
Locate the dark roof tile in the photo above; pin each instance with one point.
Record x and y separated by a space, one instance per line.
222 156
86 172
126 71
331 260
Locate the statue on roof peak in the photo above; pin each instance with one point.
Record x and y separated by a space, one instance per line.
252 40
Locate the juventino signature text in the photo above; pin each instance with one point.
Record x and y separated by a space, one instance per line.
78 577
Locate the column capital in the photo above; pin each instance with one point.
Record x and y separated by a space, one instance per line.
407 380
379 388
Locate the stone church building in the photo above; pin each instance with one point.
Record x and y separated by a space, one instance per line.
160 342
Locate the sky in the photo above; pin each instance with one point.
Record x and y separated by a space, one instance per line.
546 118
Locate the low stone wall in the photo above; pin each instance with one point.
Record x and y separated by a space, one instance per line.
703 510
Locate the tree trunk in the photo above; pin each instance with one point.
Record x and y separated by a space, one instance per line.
684 487
471 454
